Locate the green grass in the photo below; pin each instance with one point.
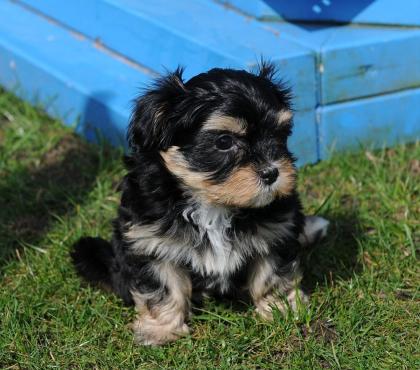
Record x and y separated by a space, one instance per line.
54 188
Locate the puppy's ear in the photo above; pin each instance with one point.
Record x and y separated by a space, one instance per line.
268 71
151 126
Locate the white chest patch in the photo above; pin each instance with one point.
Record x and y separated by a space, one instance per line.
210 247
214 222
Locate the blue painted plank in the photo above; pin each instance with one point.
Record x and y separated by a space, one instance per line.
303 143
379 61
406 12
380 121
357 62
198 34
44 63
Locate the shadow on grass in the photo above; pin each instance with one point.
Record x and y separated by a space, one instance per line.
336 257
32 197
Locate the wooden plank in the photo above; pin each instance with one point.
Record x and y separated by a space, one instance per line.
357 62
365 62
375 122
406 13
197 34
304 143
79 83
74 80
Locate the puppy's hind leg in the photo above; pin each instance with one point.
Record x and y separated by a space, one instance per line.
315 228
162 306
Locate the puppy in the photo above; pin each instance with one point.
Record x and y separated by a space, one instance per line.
209 203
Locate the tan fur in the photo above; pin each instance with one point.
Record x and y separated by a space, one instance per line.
164 321
287 177
238 190
269 290
225 123
176 164
284 117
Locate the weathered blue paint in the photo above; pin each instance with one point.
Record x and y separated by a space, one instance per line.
356 62
380 121
84 84
198 34
405 12
381 61
44 63
347 81
303 142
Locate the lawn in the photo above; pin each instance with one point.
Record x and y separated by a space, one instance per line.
364 278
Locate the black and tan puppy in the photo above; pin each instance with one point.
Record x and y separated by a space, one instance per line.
209 203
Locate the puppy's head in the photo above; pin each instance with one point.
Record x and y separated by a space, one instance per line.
223 134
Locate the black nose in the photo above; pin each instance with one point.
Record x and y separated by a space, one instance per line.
269 175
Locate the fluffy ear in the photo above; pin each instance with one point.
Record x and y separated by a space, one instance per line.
151 127
268 71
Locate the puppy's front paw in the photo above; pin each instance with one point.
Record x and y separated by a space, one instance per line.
295 298
315 229
151 332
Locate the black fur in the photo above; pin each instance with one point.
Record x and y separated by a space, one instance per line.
92 258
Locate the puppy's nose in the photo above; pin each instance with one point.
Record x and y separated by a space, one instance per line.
269 175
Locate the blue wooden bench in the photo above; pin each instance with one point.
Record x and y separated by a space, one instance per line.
354 66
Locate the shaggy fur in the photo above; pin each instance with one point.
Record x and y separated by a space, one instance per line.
209 203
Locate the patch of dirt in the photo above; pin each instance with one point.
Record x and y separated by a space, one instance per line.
69 142
400 294
322 330
403 295
324 364
278 354
69 160
28 226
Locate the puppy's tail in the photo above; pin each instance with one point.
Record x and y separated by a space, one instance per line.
92 258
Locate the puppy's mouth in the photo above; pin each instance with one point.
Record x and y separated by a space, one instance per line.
245 187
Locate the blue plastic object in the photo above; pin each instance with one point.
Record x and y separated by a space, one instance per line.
354 66
74 80
380 12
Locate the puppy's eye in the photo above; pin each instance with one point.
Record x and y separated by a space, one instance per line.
224 142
